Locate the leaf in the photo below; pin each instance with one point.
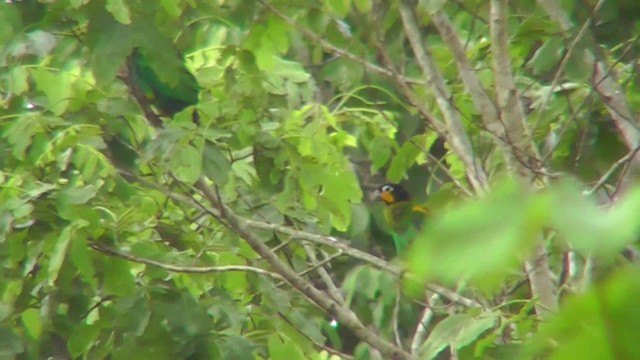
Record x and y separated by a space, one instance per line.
19 77
78 195
457 331
172 7
32 322
82 339
340 7
403 160
589 325
59 253
497 226
118 280
119 10
281 348
364 6
236 347
187 164
215 165
547 56
56 87
379 152
431 6
81 259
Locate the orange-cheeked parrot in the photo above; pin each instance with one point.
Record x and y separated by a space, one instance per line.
403 216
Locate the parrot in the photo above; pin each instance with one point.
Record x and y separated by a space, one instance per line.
403 216
168 99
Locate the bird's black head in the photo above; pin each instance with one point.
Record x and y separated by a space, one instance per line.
392 193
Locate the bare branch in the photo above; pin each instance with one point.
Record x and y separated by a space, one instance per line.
456 134
423 324
511 111
324 275
604 178
512 115
183 269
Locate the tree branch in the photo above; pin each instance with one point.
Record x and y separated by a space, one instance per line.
456 134
182 269
512 115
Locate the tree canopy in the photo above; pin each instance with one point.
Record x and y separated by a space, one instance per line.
187 179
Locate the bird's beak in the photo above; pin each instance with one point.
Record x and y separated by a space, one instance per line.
383 196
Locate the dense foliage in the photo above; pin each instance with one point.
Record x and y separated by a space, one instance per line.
140 221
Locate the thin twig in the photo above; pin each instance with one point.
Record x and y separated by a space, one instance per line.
183 269
604 178
421 329
332 48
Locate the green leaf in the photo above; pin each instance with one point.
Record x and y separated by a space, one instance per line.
403 160
236 347
215 165
83 338
187 164
19 80
457 331
32 322
81 259
56 86
498 226
172 7
590 325
59 252
547 56
364 6
340 7
119 10
281 348
431 6
78 195
118 280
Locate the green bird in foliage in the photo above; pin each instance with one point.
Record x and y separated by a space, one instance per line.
167 98
403 216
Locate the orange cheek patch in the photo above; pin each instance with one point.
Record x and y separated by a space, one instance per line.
387 197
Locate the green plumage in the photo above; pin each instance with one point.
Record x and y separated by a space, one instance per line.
401 214
168 94
405 220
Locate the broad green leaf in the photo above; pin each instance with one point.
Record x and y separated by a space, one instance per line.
340 7
583 327
236 347
19 80
547 56
284 349
172 7
57 87
78 195
59 252
118 280
364 6
215 165
82 339
32 322
187 164
81 259
431 6
119 10
498 226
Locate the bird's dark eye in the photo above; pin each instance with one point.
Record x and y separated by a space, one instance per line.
387 188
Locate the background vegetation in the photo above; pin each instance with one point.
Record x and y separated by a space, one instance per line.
249 234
